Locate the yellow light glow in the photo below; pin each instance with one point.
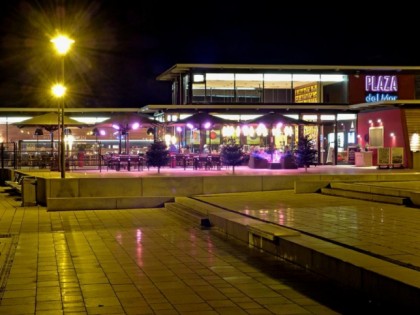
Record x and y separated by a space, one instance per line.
62 44
415 142
168 138
288 131
58 90
69 139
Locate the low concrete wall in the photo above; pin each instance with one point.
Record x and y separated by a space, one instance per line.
106 203
100 188
103 193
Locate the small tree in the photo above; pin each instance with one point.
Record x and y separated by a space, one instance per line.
232 155
157 155
305 152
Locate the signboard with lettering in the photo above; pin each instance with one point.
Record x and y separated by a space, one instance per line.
381 88
307 94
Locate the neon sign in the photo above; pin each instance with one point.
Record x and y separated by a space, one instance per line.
382 86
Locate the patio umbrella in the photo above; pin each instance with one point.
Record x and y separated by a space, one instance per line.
49 122
202 120
125 122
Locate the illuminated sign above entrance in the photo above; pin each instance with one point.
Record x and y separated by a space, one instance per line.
381 88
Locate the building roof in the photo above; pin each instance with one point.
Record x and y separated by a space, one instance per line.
178 69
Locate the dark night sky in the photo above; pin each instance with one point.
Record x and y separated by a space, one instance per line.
122 46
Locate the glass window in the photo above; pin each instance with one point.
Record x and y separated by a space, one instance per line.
277 88
249 87
269 88
220 87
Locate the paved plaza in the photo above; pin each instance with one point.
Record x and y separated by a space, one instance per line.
151 261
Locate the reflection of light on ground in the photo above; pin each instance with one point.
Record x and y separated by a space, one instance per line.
210 246
194 245
280 216
119 238
263 213
139 248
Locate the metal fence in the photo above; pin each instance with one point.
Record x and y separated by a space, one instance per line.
12 157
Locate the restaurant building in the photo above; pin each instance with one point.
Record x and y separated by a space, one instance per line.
362 115
356 115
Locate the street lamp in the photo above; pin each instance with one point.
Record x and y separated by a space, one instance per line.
59 90
62 45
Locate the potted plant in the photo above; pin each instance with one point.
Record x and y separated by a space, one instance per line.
157 155
305 152
232 155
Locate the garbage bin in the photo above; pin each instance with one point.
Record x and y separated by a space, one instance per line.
29 191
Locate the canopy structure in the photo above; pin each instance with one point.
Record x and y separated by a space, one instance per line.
203 120
273 118
50 122
125 122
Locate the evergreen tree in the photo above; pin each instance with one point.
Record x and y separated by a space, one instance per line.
157 155
232 155
305 152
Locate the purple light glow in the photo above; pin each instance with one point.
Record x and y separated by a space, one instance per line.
207 125
135 126
116 127
190 126
179 129
102 132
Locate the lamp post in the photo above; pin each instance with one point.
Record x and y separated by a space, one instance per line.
62 45
58 90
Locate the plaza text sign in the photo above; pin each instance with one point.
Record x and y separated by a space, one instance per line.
381 88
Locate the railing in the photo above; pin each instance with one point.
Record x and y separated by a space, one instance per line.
12 157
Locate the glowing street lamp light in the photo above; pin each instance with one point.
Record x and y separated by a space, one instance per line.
62 45
58 90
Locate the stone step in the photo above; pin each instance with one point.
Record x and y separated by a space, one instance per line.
373 276
366 196
188 213
370 188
